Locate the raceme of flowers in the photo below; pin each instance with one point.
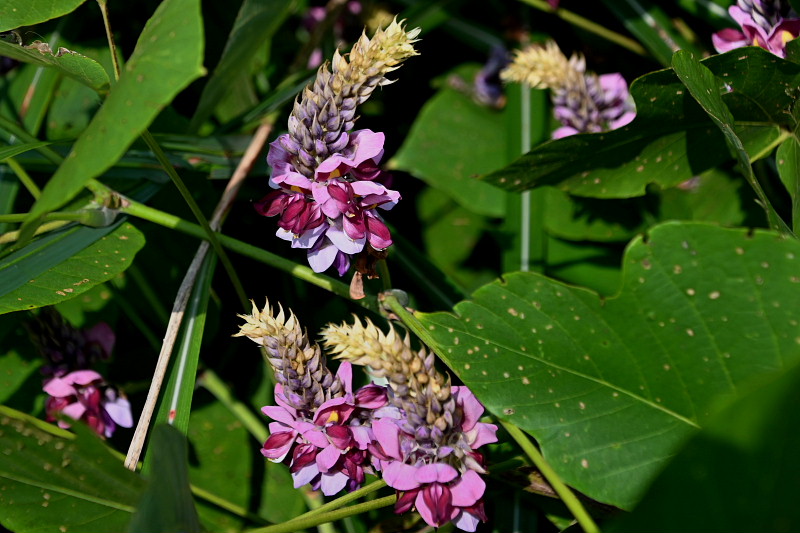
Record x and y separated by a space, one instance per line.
769 24
583 102
327 177
74 389
419 432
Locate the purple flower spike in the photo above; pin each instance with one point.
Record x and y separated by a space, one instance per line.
768 24
329 450
84 395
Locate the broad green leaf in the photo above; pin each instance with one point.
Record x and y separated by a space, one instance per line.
611 387
594 266
672 139
255 24
702 84
72 64
54 482
167 57
788 160
738 474
64 264
17 13
167 504
711 197
452 141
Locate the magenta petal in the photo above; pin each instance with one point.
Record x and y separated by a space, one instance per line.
400 476
435 473
468 490
59 388
278 444
387 435
328 457
333 483
366 188
339 436
728 39
565 131
371 396
316 437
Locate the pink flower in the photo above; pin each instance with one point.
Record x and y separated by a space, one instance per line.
328 448
441 480
770 34
84 395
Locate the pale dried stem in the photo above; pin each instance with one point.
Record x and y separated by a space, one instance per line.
184 291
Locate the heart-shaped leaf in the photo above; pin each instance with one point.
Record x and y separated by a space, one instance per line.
611 387
672 139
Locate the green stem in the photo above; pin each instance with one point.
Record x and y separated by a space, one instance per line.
13 236
305 522
389 299
347 498
210 235
23 176
570 500
248 250
112 46
70 216
230 507
588 25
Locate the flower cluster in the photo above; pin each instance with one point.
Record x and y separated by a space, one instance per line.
327 179
419 432
769 24
583 102
73 388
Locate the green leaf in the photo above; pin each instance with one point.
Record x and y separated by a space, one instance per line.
735 475
167 504
788 160
611 387
168 56
703 86
16 149
671 139
452 141
17 13
72 64
54 482
255 25
65 263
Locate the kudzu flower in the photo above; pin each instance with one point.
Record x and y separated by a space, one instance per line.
84 395
769 24
583 101
429 453
327 177
75 389
320 426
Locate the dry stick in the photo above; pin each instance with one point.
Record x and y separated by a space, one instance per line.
178 308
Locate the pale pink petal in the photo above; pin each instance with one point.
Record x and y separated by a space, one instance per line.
362 435
328 457
387 435
400 476
468 490
83 377
320 259
316 437
343 242
481 434
345 375
74 410
435 473
333 483
278 413
59 388
369 145
466 521
120 412
473 410
305 475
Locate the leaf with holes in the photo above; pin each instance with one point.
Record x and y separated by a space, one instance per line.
611 387
53 481
64 264
672 139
